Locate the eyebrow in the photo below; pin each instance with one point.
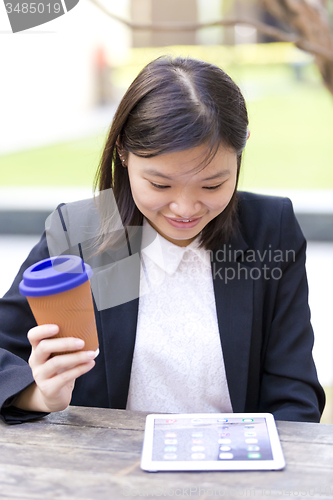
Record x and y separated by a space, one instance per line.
155 173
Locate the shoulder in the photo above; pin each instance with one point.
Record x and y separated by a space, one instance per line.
88 212
258 202
267 218
262 207
75 212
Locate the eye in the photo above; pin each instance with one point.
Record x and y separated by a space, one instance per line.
213 187
158 186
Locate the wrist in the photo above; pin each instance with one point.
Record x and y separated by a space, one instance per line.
30 399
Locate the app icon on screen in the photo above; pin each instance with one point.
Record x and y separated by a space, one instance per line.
253 455
197 448
225 448
170 448
253 447
226 456
197 434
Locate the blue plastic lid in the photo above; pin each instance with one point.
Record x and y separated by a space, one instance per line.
54 275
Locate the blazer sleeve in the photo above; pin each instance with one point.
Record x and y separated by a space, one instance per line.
16 319
289 384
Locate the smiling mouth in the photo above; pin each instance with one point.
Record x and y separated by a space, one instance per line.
182 222
185 220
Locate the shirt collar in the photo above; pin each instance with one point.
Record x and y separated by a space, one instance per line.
165 254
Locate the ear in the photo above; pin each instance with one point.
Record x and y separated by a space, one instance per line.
121 152
248 134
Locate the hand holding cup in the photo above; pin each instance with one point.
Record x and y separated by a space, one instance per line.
54 375
59 295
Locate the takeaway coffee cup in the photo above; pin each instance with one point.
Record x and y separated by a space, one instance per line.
58 292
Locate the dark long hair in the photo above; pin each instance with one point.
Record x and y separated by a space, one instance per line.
174 105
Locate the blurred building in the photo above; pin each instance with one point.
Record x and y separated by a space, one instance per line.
240 9
159 11
197 11
52 77
56 74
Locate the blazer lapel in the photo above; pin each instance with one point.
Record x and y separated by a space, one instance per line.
118 323
234 305
117 346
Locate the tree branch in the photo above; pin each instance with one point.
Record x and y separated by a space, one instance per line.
258 25
309 18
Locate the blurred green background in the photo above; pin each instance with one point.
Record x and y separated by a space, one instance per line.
291 122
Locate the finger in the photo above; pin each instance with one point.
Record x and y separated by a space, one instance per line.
38 333
46 347
51 387
60 364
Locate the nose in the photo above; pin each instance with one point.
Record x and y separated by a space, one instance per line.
185 208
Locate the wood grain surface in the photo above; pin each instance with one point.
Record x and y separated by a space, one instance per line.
94 453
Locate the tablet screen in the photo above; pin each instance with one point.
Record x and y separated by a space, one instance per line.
220 438
211 439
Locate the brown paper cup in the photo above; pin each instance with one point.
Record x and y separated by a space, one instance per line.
72 311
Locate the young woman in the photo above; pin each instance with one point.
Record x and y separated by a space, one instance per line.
207 310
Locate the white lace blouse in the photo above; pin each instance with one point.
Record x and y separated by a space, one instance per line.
177 364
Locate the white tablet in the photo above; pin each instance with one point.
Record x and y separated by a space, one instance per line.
211 441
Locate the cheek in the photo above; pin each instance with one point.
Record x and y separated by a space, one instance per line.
222 199
148 199
152 202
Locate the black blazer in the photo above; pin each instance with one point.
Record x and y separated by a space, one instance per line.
261 296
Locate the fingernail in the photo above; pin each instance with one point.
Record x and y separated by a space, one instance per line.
79 342
91 354
54 329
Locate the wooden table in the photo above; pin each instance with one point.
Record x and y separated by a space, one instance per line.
93 453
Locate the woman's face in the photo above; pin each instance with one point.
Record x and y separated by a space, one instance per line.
178 198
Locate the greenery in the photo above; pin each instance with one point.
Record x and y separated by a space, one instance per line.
291 142
327 417
66 164
291 124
